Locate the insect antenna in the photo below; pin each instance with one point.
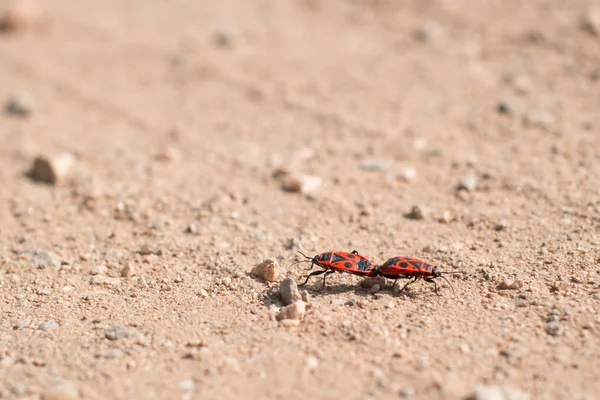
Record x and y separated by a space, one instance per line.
304 255
308 259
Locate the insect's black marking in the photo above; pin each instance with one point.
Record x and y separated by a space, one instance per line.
417 264
348 265
404 264
363 265
325 256
390 262
336 258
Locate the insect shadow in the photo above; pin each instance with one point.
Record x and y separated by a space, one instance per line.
272 296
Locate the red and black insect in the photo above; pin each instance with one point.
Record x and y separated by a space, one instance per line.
339 261
413 269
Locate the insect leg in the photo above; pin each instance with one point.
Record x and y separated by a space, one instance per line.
435 287
312 274
312 265
325 277
416 278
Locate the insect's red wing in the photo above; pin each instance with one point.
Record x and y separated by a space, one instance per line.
349 262
422 266
397 266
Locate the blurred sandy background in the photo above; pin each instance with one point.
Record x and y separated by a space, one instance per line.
179 143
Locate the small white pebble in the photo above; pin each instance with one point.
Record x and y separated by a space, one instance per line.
187 385
128 270
98 270
407 174
62 391
48 326
373 164
468 182
312 362
289 323
375 288
52 169
300 183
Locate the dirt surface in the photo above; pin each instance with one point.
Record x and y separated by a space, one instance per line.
127 278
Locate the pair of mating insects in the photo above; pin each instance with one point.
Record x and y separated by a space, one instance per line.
394 268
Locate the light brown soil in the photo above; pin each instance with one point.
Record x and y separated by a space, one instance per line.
179 112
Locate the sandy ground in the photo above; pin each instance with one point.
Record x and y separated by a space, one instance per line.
178 114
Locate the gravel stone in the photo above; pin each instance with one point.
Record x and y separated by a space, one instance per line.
337 303
522 83
539 119
128 270
293 243
116 332
147 250
406 392
368 283
485 392
44 292
296 310
312 363
268 270
375 288
560 286
103 280
468 182
111 354
223 38
114 254
48 326
590 22
289 323
288 290
305 296
501 226
445 218
428 33
196 343
192 229
407 174
22 324
62 391
168 154
19 16
52 169
552 328
373 164
41 258
98 270
503 107
508 284
416 212
20 104
187 385
301 183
